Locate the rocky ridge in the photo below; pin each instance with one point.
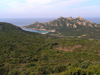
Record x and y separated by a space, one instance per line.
62 22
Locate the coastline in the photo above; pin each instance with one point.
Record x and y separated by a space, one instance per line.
45 33
41 31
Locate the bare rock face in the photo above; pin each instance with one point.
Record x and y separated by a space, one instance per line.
80 18
60 17
95 25
70 18
71 25
63 19
67 24
36 22
61 24
79 22
84 23
74 26
90 25
38 25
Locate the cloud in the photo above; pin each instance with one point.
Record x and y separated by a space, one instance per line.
38 1
93 8
44 7
69 2
86 11
29 6
34 4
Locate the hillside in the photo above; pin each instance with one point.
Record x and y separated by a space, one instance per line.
27 53
69 27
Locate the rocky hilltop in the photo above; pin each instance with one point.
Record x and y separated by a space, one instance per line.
61 22
68 27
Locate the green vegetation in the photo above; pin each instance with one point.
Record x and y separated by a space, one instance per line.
27 53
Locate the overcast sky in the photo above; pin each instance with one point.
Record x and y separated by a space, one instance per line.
49 8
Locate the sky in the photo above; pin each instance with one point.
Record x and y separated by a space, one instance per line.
49 8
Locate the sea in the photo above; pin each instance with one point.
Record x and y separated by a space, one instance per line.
27 21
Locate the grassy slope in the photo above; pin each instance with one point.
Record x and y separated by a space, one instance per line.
25 53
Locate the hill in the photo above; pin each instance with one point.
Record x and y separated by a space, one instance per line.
69 27
27 53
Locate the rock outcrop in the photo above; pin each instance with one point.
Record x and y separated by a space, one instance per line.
62 22
70 18
80 18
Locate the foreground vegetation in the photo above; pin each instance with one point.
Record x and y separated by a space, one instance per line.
27 53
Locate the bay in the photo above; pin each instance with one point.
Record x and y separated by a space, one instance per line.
27 21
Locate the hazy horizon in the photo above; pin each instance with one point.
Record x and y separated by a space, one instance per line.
28 21
48 17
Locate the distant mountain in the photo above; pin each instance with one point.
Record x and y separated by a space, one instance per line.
68 27
62 22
